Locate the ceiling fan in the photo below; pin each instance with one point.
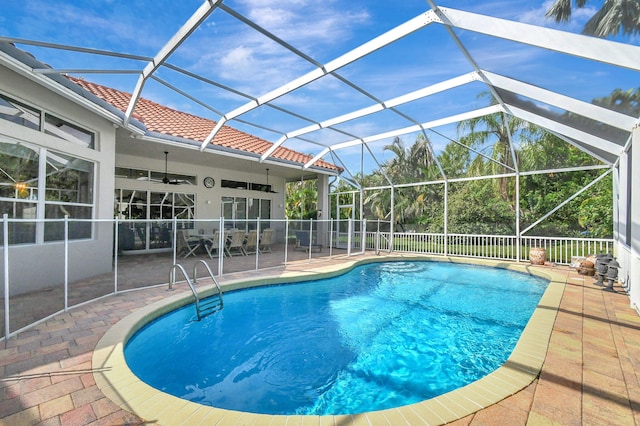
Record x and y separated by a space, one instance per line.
268 187
166 179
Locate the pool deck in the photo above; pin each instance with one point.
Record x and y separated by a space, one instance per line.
589 369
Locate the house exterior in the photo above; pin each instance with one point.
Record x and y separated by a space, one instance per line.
65 152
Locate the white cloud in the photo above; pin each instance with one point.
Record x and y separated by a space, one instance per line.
239 58
255 64
104 27
250 69
304 23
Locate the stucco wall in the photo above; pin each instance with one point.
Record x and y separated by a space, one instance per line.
208 200
36 266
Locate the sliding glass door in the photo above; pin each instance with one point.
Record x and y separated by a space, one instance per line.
147 217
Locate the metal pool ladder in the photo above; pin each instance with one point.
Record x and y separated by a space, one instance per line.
204 306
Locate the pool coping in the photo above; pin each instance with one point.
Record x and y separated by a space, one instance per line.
114 378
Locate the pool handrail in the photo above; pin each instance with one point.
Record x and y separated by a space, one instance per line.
202 309
213 278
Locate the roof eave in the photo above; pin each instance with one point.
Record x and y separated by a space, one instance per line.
231 152
23 63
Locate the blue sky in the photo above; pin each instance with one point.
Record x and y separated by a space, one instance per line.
230 53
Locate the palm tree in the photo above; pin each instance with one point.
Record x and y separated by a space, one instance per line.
614 16
623 101
493 128
410 165
455 160
301 199
379 201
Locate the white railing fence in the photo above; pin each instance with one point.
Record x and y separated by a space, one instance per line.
558 250
50 266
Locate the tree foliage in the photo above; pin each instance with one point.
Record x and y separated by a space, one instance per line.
488 205
413 204
613 17
301 199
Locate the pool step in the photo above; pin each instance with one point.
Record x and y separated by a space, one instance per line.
206 306
210 305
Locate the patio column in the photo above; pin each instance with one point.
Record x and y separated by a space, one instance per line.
323 207
634 267
392 227
445 226
518 236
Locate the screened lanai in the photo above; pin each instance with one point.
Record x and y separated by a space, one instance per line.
345 98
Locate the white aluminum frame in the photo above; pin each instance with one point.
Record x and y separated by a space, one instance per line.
455 21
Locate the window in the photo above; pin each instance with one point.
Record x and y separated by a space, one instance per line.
25 115
184 206
233 184
240 208
153 176
19 165
160 207
19 113
54 231
67 191
68 179
135 174
19 189
260 187
19 232
64 130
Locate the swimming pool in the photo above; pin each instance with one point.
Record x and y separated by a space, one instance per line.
390 337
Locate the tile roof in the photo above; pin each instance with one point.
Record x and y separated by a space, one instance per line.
161 119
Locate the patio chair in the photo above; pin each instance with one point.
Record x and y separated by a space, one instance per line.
235 244
212 245
251 243
266 239
186 244
303 242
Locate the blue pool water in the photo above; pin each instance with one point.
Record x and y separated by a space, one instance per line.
383 335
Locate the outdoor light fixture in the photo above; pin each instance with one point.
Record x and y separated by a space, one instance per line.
21 188
612 273
602 262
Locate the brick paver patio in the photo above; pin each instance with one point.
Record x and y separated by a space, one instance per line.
590 375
